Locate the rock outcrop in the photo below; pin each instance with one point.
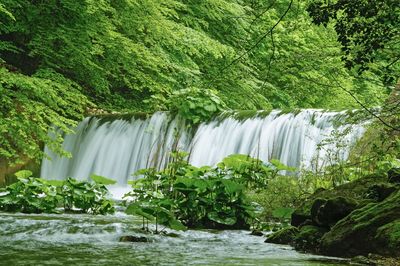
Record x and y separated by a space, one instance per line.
358 218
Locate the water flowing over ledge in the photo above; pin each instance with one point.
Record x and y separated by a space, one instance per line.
118 147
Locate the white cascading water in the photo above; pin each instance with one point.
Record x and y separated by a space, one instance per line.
120 147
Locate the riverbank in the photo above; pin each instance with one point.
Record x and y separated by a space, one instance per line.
360 218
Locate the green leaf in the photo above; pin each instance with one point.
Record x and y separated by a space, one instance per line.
23 174
221 220
176 225
135 209
280 166
56 183
282 213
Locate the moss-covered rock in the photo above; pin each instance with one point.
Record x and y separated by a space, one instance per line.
357 218
300 216
358 190
131 238
380 192
394 175
373 228
284 236
327 212
309 238
389 235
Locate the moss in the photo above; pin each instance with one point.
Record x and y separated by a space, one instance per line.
242 115
355 191
284 236
329 212
390 234
127 116
375 224
309 237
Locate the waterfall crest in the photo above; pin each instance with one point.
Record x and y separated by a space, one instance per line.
119 147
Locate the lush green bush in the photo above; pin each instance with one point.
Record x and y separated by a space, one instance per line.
199 197
85 196
28 108
281 194
195 105
36 195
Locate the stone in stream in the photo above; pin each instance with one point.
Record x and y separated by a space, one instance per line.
284 236
309 238
256 233
131 238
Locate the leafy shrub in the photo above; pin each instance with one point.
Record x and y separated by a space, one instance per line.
283 194
195 105
88 197
29 195
36 195
203 197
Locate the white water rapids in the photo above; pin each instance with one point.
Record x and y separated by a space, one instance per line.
118 147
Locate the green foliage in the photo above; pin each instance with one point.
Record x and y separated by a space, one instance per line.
85 196
102 180
56 56
29 195
250 171
195 105
372 36
123 53
29 105
36 195
282 213
283 194
199 197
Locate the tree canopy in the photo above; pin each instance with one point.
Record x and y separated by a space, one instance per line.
60 57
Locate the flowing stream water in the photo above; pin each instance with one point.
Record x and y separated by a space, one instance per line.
78 239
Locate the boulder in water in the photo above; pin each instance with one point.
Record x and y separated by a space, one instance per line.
309 238
131 238
284 236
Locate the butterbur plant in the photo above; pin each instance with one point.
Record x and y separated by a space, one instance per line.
29 195
183 195
37 195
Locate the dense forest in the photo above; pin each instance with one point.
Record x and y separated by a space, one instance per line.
64 60
60 58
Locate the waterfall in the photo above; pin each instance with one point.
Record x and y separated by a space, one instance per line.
118 147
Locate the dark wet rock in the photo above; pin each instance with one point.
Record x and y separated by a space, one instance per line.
171 234
315 207
309 238
299 216
256 233
394 175
327 212
284 236
306 222
374 228
380 192
131 238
